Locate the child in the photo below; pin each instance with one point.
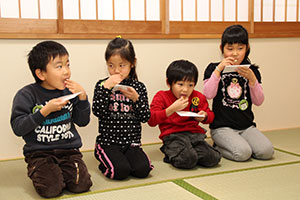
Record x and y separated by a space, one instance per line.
46 123
233 130
183 139
120 113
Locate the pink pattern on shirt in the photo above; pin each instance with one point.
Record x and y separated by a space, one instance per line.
210 90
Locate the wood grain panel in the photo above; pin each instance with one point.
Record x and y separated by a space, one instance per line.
202 27
101 26
25 26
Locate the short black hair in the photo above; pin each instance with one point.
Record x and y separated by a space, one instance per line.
125 49
182 70
42 53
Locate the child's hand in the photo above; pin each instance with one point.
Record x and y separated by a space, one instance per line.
52 106
248 74
225 62
112 81
130 93
75 87
201 119
178 105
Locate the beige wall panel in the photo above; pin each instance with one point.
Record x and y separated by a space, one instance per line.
277 59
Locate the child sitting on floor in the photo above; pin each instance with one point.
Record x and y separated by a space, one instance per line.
183 138
46 123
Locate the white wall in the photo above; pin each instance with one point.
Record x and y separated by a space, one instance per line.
276 57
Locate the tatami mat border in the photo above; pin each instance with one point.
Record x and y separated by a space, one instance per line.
192 189
288 152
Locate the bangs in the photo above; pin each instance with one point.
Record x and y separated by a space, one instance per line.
59 53
235 34
182 70
183 75
123 53
238 37
189 78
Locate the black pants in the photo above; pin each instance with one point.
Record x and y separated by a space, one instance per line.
186 150
118 162
52 171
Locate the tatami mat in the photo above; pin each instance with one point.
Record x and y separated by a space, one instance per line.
164 172
287 139
161 191
15 184
282 182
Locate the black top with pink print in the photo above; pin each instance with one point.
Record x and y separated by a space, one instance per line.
119 117
232 105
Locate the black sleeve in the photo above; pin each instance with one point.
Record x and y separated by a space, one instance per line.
209 70
100 100
81 112
141 106
256 72
23 120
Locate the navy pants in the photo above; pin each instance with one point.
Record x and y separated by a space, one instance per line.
186 150
118 162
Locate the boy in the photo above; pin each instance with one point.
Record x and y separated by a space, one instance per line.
183 139
46 123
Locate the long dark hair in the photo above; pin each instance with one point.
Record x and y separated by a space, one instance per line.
125 49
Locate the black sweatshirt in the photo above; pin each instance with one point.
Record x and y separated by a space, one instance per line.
57 130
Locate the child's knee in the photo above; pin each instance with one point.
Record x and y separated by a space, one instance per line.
47 179
185 160
119 171
76 175
141 172
82 182
83 186
49 187
141 169
242 154
49 191
265 153
211 159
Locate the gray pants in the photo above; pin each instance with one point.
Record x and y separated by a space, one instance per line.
240 145
186 150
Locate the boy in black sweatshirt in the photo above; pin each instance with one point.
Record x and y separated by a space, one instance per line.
46 122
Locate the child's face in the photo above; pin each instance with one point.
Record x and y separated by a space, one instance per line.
118 65
57 72
182 88
237 51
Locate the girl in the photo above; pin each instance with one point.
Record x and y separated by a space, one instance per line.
233 131
120 113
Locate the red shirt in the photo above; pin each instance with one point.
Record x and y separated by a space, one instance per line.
175 123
